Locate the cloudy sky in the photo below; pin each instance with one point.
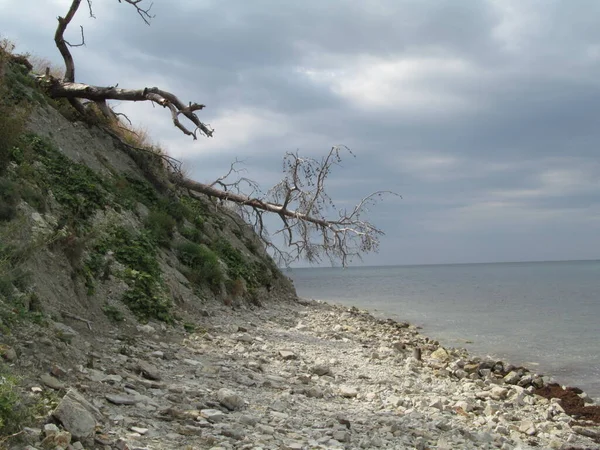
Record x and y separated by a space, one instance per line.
483 115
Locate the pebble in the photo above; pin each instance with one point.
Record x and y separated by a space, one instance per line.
277 385
51 382
120 399
230 399
348 391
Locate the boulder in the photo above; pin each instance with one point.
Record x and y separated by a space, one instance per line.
77 415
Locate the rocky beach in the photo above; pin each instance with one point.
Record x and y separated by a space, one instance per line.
290 375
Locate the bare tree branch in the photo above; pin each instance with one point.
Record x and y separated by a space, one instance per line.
144 13
82 40
75 92
237 184
300 200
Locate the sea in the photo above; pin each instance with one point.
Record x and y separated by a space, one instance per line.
542 315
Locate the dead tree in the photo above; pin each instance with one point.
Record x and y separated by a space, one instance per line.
300 199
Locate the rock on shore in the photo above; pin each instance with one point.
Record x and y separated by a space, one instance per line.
300 376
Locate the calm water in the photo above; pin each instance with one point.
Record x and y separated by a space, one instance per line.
543 315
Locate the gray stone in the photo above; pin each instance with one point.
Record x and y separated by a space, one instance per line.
60 440
148 329
314 392
525 381
436 403
64 332
50 429
248 420
212 415
293 446
394 400
52 382
538 382
112 379
512 377
233 433
287 355
279 406
460 374
498 393
527 427
9 354
348 391
490 409
321 369
465 406
471 368
120 399
587 432
148 371
265 429
230 399
341 436
77 415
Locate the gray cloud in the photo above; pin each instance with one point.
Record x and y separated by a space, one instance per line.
482 114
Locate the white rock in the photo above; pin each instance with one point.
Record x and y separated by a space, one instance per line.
148 329
465 406
498 393
348 391
50 429
230 399
440 354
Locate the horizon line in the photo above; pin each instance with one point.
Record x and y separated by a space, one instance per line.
443 264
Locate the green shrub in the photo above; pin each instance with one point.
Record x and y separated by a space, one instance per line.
203 262
196 211
137 252
75 186
174 208
143 297
9 199
14 414
237 265
113 313
195 235
160 226
129 190
256 274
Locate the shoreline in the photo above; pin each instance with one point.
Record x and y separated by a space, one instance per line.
463 342
301 375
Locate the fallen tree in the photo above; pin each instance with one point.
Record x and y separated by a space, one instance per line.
300 199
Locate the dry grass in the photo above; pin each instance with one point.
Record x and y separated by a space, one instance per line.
132 135
40 64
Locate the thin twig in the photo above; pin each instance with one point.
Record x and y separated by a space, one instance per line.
73 316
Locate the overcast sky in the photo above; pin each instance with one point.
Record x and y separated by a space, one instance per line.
483 115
